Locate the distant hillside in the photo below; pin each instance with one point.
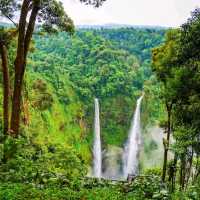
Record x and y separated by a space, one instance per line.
117 26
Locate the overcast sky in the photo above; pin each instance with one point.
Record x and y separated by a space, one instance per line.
135 12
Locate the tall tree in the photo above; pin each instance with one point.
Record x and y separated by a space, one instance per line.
6 79
188 110
6 36
163 64
176 64
51 15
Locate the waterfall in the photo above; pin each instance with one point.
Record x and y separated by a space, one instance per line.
131 151
97 160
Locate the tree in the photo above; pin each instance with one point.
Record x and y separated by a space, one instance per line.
6 80
95 3
6 35
189 40
163 64
49 13
188 108
176 64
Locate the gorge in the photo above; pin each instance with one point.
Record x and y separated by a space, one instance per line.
130 155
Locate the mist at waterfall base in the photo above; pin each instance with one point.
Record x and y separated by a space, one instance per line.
97 157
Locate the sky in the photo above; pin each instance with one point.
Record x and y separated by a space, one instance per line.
170 13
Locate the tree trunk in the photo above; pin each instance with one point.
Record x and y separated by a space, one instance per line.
189 168
24 39
166 144
164 164
197 169
174 175
6 88
16 109
182 172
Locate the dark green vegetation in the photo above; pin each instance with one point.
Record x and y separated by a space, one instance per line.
48 85
176 64
64 74
143 188
89 65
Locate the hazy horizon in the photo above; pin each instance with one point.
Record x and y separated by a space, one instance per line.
165 13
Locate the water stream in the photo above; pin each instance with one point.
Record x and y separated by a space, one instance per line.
97 157
131 150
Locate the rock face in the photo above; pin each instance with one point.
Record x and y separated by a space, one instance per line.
112 163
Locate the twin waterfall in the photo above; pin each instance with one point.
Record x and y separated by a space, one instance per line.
131 149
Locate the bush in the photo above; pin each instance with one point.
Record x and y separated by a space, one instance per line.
41 165
153 172
13 191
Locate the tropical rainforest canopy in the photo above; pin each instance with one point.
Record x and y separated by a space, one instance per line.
51 72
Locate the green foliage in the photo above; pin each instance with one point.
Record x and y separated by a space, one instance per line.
142 41
16 191
95 3
50 14
64 75
176 64
8 8
148 187
94 64
43 99
191 193
41 165
153 172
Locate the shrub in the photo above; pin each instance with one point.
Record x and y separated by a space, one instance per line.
41 165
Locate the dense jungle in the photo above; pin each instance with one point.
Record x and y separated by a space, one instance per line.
97 112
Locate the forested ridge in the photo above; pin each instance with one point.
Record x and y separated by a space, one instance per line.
50 76
93 66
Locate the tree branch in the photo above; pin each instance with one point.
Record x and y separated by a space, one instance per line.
10 19
30 28
22 28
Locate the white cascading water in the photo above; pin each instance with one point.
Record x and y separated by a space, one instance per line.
97 158
131 151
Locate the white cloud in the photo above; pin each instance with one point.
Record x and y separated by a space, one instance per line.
137 12
82 14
